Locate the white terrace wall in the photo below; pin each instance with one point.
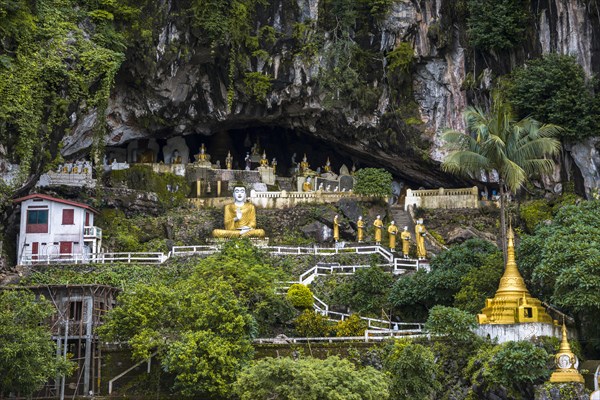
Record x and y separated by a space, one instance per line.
514 332
443 198
282 199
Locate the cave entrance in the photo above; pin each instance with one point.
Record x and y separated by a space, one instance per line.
280 143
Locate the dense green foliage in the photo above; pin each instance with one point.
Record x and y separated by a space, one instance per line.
373 182
480 283
27 352
514 366
118 275
413 371
300 296
351 326
497 24
563 261
554 89
51 69
414 295
454 323
312 324
201 324
199 329
310 378
172 190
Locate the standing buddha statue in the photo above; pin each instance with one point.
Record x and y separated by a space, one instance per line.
360 225
420 233
392 232
378 224
336 229
228 160
405 236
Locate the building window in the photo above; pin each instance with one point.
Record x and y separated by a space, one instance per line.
68 217
37 221
76 310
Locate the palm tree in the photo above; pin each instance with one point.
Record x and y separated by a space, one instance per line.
495 143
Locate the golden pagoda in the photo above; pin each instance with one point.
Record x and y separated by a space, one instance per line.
512 303
566 362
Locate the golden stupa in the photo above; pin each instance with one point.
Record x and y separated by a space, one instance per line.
566 362
512 303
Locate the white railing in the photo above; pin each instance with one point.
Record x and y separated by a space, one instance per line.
190 250
99 258
369 336
92 231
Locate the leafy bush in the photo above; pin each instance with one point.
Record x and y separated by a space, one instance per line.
413 370
479 284
368 290
300 296
534 212
415 294
351 326
456 324
553 89
312 324
515 366
310 378
496 24
373 182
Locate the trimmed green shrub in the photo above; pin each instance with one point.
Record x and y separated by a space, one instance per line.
312 324
351 326
300 296
373 182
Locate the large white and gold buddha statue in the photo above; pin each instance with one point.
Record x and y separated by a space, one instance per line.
240 218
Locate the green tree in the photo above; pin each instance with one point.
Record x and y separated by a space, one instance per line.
496 141
563 262
369 288
300 296
553 88
199 329
310 378
413 371
413 295
373 182
27 352
496 24
456 324
514 366
479 284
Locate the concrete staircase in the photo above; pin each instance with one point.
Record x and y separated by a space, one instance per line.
402 218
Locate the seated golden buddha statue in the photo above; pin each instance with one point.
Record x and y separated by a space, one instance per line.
240 218
304 167
263 161
202 156
327 166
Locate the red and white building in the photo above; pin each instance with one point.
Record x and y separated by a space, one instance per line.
56 229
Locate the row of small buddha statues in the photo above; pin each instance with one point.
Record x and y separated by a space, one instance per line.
78 167
393 231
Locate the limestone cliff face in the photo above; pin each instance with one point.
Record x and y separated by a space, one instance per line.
185 90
